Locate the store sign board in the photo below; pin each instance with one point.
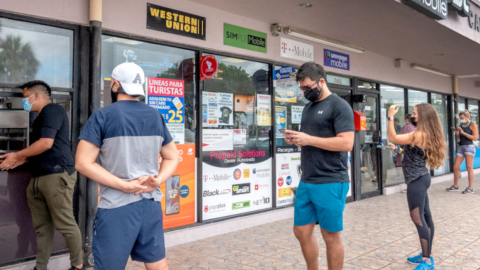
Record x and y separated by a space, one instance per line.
247 172
338 80
438 9
244 38
175 22
296 50
168 97
336 60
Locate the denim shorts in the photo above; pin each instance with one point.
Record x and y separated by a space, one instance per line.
468 149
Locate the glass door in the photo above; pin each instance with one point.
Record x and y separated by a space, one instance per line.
369 153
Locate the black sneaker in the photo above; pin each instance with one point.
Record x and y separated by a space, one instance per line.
74 268
453 188
468 191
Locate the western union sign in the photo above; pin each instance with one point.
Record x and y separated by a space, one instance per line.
175 22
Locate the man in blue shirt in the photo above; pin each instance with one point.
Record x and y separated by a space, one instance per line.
326 137
127 136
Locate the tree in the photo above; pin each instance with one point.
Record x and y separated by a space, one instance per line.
17 60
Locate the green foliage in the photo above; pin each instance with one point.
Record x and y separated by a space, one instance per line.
17 60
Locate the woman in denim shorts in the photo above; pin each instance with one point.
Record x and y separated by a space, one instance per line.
467 132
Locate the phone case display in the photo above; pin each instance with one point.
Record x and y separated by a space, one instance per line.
179 203
172 202
168 97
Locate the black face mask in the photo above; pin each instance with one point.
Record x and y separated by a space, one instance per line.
313 94
413 121
114 95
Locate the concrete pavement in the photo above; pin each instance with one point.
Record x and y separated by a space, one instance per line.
378 235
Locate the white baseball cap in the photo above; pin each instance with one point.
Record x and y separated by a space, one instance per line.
131 77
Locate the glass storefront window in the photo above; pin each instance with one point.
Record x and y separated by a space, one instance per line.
439 102
289 104
161 64
416 97
236 138
31 51
391 162
473 109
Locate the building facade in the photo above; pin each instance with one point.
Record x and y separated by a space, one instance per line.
223 75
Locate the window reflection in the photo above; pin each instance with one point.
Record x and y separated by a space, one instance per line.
35 52
158 62
392 163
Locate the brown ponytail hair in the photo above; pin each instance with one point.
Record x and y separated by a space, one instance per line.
434 141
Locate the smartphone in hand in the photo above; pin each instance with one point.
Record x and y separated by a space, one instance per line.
282 130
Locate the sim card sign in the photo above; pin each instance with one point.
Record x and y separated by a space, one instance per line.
178 104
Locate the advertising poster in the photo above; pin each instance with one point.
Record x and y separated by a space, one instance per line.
288 175
280 120
236 182
168 97
263 110
217 139
178 202
239 136
285 77
297 114
218 108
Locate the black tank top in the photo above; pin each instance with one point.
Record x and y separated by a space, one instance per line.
413 165
463 139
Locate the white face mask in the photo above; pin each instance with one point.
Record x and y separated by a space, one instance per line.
463 121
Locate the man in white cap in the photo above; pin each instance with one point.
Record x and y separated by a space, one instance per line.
127 136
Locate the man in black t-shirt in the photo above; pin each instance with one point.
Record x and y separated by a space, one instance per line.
326 137
51 163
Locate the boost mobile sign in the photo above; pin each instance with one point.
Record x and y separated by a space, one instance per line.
438 9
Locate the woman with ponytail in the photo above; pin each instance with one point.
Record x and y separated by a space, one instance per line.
424 146
467 132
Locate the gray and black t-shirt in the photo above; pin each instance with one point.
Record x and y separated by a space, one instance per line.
130 135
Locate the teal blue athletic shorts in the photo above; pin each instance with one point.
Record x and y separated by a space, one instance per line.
322 203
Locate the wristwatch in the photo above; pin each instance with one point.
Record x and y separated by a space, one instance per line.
390 118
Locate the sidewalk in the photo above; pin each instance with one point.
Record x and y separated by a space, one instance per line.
378 235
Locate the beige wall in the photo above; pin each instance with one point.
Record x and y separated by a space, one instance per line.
466 88
129 16
74 11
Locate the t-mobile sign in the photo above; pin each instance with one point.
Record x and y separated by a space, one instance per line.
336 59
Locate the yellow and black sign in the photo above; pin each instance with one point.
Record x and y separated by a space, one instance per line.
175 22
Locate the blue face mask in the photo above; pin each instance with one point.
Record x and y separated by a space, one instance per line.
463 121
26 105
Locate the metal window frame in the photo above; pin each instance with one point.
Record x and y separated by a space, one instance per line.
77 91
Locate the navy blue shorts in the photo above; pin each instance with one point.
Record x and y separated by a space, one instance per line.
135 229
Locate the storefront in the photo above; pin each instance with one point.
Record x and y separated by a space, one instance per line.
227 89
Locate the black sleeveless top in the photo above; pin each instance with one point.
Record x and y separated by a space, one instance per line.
413 165
463 139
